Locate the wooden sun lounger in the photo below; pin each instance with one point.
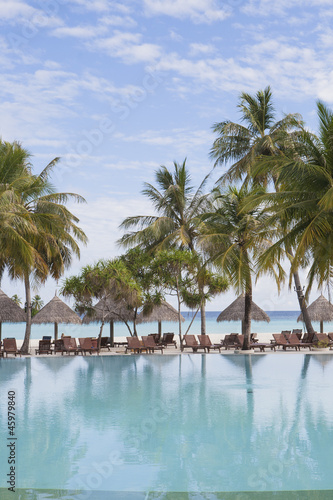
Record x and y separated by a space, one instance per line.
105 344
230 341
298 332
168 339
323 338
281 341
190 342
87 345
134 344
10 347
44 347
262 346
69 345
150 344
205 341
156 337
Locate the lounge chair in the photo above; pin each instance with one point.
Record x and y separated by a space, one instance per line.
280 340
10 347
295 341
168 339
58 345
230 341
286 334
47 337
69 345
190 342
205 341
134 344
298 332
321 338
86 345
150 344
105 343
44 347
156 337
253 338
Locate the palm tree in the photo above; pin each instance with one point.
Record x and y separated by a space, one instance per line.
36 305
235 237
15 298
38 233
262 137
306 200
177 224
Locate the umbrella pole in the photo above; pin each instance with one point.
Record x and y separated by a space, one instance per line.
0 332
160 329
321 327
55 331
112 333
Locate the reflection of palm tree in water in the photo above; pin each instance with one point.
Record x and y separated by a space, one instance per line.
301 454
48 442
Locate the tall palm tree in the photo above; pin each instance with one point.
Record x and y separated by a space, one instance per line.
261 137
306 200
235 237
38 233
176 225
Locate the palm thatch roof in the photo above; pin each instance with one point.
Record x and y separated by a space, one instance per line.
10 312
164 312
236 311
109 310
320 310
56 311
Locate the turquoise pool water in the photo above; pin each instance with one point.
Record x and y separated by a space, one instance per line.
172 427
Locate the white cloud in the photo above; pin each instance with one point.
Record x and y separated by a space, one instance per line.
267 8
182 141
124 21
128 47
100 219
199 11
201 48
79 31
93 5
15 9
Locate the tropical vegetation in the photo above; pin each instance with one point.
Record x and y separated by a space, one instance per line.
39 235
272 202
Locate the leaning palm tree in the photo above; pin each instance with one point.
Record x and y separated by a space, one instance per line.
306 200
39 235
261 137
235 237
177 223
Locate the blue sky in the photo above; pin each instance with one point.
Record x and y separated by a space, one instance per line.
118 89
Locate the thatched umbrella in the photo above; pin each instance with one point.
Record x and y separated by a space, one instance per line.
163 312
320 310
10 312
236 312
56 311
110 311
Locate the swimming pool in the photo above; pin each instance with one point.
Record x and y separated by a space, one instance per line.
174 427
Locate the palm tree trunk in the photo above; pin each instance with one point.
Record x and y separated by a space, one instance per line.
300 296
25 345
100 336
203 317
302 303
246 324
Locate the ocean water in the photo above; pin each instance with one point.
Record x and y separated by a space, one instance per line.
169 427
279 320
